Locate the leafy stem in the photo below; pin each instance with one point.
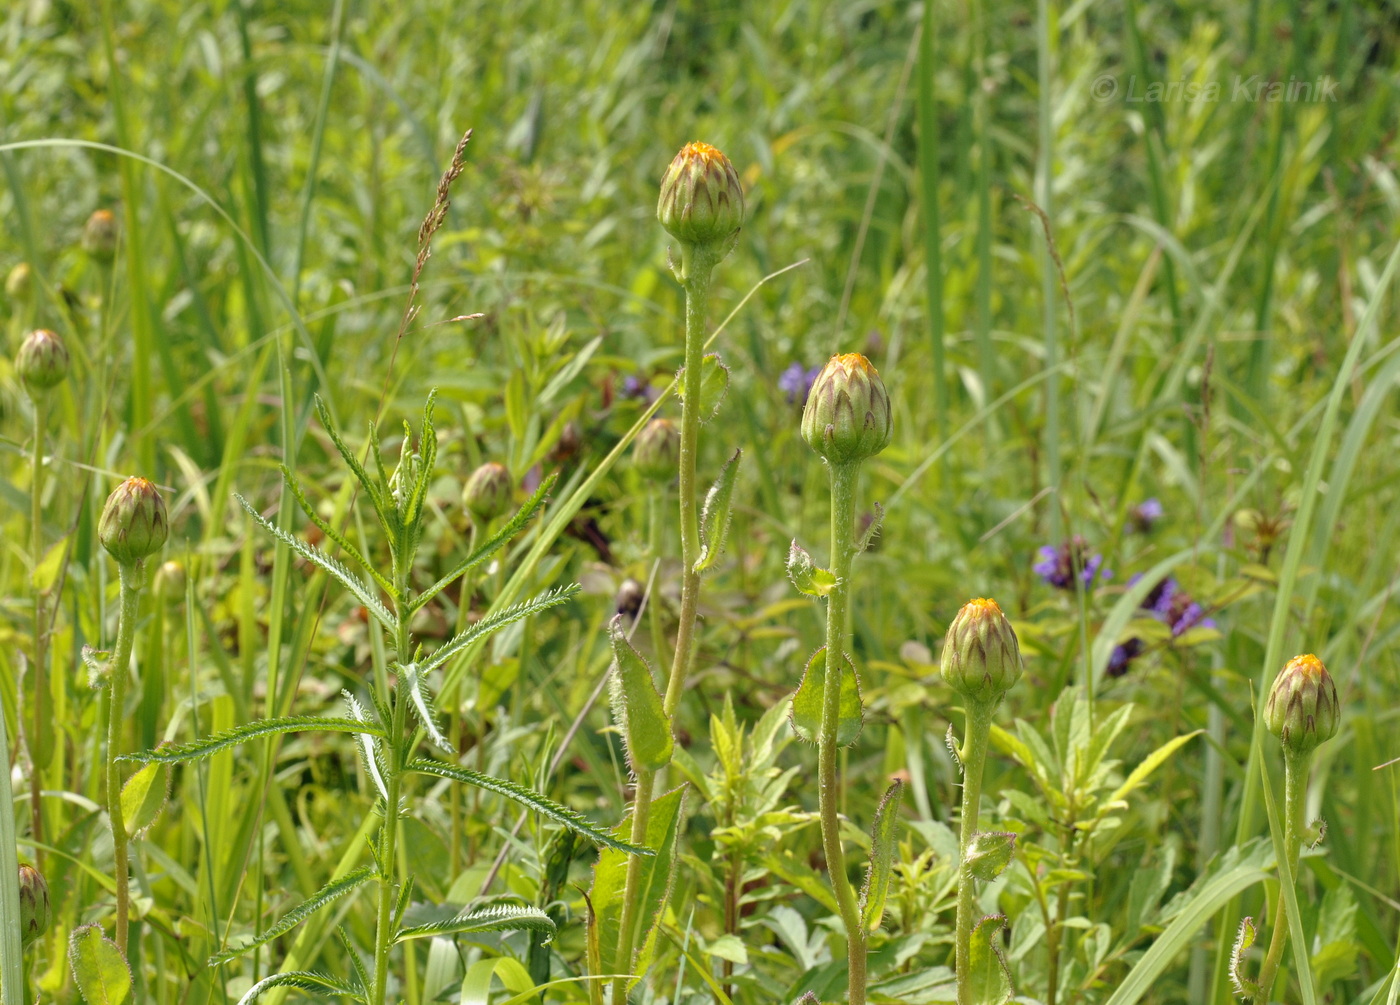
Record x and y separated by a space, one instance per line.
1295 774
973 756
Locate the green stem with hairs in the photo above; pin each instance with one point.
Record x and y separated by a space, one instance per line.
843 511
389 832
974 757
1295 775
129 577
41 682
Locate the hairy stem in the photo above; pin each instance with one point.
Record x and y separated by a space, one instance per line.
389 833
843 509
41 677
626 934
1295 775
130 580
974 757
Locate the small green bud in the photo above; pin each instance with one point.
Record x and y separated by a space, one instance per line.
19 284
100 235
488 492
42 361
981 655
702 200
1302 710
656 454
170 580
133 525
847 415
33 905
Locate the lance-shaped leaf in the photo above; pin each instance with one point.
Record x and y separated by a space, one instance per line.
361 475
208 746
505 918
989 853
328 894
412 678
714 516
637 705
808 577
369 747
714 383
302 980
495 622
330 566
333 535
362 978
1244 987
526 797
99 969
882 845
144 796
806 715
988 976
508 530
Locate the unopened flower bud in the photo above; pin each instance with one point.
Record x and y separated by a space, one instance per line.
488 492
702 200
1302 710
981 654
33 905
42 361
133 525
100 235
847 416
19 284
657 452
170 580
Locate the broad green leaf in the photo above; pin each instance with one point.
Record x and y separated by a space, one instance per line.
328 894
989 853
808 577
495 622
806 713
714 516
422 699
714 383
101 973
882 847
1336 957
330 566
302 980
197 749
1149 764
143 797
526 797
506 918
637 705
988 975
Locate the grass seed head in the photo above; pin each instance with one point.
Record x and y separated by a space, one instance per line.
981 655
702 200
847 416
134 524
42 361
1302 710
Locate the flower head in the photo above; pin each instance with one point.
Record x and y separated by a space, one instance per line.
656 454
19 283
488 491
100 235
42 361
981 657
847 416
1145 514
1057 564
702 200
33 905
1303 710
133 525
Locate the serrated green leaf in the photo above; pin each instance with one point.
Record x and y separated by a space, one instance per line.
526 797
325 563
369 746
99 969
362 978
988 975
495 622
328 894
989 853
302 980
806 715
714 516
808 577
637 705
143 797
1243 986
877 521
353 462
422 701
210 745
714 384
506 918
882 846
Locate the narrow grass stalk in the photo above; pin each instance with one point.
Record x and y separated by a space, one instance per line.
843 510
11 959
40 670
977 735
129 577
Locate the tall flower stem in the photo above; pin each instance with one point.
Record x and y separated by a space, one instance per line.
41 681
977 735
129 575
389 832
1295 773
843 510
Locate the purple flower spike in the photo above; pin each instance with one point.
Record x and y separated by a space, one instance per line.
796 382
1145 514
1057 565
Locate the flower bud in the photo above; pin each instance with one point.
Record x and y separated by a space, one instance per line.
847 416
19 284
170 580
33 905
42 361
1302 710
100 235
488 492
981 655
702 201
133 525
657 452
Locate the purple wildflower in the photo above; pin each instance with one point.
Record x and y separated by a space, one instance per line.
796 382
1145 514
1057 565
637 389
1123 655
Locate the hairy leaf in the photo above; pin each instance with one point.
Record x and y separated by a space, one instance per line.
144 796
637 705
988 974
714 516
989 853
327 894
505 918
714 384
369 747
412 679
806 715
882 846
495 622
99 969
198 749
808 577
302 980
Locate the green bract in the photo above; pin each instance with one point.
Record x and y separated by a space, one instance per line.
134 524
33 905
847 416
702 200
981 654
1302 710
42 361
